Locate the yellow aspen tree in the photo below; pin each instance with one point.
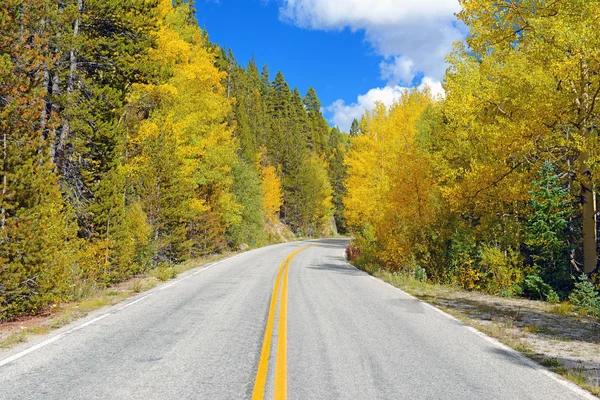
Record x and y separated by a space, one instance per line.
271 186
180 158
542 58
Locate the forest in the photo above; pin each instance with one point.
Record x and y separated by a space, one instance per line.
491 188
131 142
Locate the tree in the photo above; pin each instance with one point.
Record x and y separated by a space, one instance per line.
317 126
546 229
180 157
273 196
248 191
337 171
355 128
555 43
390 185
38 244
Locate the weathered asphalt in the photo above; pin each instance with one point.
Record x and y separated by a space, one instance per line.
349 336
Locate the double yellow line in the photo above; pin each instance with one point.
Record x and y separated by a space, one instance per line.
281 360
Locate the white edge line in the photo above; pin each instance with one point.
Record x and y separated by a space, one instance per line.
133 302
51 340
538 367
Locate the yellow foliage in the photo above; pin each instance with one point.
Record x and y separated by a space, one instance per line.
390 181
271 187
180 158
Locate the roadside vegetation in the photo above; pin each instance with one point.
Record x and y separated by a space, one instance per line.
491 188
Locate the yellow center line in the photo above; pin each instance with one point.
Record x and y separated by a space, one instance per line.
281 361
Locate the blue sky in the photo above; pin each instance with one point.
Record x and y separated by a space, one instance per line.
352 52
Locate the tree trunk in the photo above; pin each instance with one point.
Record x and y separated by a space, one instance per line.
66 128
55 88
588 198
44 117
4 181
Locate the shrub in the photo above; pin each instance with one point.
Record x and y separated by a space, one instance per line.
165 271
500 270
585 297
420 274
534 287
352 253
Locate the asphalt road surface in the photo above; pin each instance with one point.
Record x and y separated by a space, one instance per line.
285 321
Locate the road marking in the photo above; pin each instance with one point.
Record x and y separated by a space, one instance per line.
280 392
50 341
281 360
133 302
263 364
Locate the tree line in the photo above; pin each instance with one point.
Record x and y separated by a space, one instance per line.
130 141
492 187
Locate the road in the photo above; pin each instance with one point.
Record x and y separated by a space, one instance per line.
332 332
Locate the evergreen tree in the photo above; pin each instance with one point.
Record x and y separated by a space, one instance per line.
355 128
37 239
547 228
318 127
337 171
247 189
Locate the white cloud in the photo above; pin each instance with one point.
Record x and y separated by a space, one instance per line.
414 35
397 69
435 87
344 114
318 14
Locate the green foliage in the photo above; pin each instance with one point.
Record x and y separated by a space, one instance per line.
420 274
355 128
337 147
535 288
585 297
546 228
248 193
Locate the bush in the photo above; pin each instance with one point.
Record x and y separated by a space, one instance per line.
512 291
164 272
499 270
420 274
585 298
352 253
534 287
